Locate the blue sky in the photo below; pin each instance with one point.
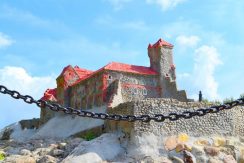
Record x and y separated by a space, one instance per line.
39 38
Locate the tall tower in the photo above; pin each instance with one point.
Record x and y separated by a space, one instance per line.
161 60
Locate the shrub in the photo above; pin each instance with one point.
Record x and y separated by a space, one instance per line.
242 95
2 156
89 136
226 100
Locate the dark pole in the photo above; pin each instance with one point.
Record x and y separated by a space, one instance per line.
200 96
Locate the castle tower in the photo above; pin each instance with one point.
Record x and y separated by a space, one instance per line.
161 60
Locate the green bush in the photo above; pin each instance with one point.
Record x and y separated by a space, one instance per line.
226 100
89 136
2 156
242 95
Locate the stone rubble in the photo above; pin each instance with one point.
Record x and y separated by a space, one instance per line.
175 149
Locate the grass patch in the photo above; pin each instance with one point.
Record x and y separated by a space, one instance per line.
2 156
89 136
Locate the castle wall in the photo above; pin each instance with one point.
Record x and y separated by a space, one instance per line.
135 86
228 122
98 89
88 93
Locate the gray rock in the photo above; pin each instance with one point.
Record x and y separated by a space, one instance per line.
214 160
189 157
19 159
177 159
57 152
25 152
85 158
62 145
47 159
42 151
6 134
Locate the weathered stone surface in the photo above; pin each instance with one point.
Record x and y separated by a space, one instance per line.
57 152
85 158
162 160
229 159
47 159
179 147
228 122
189 157
214 160
177 159
42 151
183 137
25 152
6 134
19 159
219 141
62 145
212 151
170 143
198 150
229 150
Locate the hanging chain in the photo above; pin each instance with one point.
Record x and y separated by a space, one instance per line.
131 118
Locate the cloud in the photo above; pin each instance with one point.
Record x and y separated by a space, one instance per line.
5 40
118 4
206 60
187 41
165 4
202 77
16 78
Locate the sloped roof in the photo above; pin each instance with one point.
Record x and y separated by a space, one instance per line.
82 73
121 67
50 95
115 66
160 43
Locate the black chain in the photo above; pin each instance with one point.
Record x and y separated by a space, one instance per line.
131 118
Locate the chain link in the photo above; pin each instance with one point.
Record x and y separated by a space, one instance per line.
130 118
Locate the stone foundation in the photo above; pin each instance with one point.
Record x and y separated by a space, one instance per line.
228 122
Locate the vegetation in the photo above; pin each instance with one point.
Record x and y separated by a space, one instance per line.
2 156
242 95
215 102
226 100
89 136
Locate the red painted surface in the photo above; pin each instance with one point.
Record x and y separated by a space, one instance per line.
50 95
172 67
104 89
121 67
115 66
128 85
82 73
160 43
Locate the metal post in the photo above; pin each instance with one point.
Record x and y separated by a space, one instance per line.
200 96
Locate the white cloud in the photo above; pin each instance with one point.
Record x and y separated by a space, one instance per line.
206 60
165 4
118 4
17 78
5 40
187 41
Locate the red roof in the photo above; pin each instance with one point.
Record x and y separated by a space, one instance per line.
50 95
115 66
160 43
82 73
122 67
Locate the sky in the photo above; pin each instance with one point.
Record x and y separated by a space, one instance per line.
39 38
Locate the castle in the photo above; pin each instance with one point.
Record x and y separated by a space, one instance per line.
117 83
